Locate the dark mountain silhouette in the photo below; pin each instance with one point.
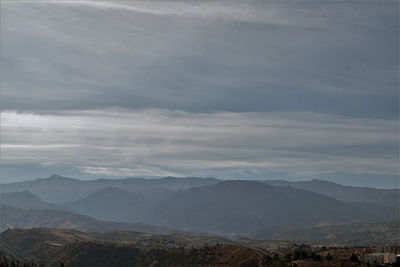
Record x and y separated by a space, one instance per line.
112 204
58 189
238 208
386 197
230 208
26 200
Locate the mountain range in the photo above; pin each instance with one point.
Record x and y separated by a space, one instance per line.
388 197
111 203
26 200
240 207
58 189
232 208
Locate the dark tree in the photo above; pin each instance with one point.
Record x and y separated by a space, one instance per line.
354 258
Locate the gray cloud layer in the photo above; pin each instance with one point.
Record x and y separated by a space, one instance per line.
161 142
332 57
233 89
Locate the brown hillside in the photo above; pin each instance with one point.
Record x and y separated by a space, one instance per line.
109 255
73 248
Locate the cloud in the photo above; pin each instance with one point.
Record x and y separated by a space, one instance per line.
230 89
330 57
225 144
306 14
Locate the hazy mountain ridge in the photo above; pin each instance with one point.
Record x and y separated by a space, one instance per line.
241 207
233 208
58 189
26 200
12 217
111 204
345 193
341 234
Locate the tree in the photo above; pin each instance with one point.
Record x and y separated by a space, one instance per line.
329 257
315 257
354 258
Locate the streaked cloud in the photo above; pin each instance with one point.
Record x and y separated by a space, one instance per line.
201 56
232 89
163 142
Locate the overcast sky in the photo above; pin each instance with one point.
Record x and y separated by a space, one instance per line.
290 90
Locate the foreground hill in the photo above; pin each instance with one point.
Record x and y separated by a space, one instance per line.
8 260
111 255
58 189
341 234
41 237
351 234
238 208
12 217
73 248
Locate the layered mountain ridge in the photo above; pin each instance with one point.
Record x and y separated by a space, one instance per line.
233 208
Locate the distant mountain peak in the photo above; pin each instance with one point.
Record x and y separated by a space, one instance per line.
58 177
55 176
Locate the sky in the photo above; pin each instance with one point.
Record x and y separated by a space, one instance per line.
292 90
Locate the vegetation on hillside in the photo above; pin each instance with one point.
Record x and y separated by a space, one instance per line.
7 260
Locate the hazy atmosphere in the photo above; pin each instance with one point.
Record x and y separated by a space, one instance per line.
181 133
224 89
